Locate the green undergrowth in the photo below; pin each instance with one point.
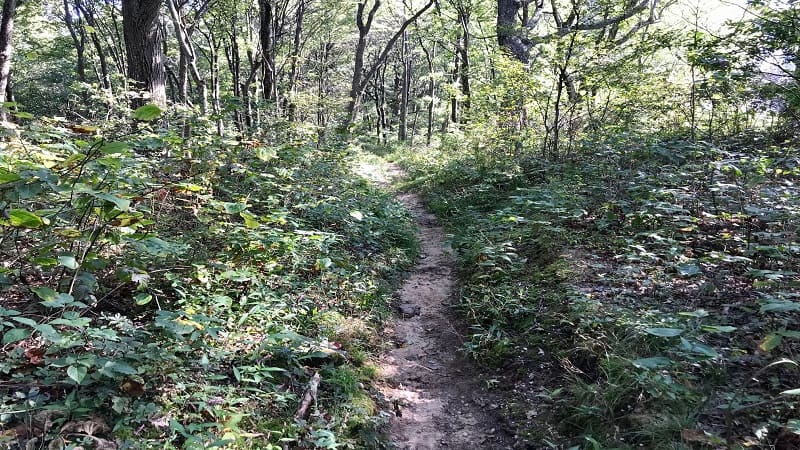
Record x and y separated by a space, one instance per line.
640 294
167 289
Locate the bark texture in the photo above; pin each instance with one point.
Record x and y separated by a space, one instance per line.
6 50
143 49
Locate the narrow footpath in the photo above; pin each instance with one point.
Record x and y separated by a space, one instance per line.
437 396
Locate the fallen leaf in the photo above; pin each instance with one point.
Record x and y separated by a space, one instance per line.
700 437
82 129
35 355
56 444
132 387
95 425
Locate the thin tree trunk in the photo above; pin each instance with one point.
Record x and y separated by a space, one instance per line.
429 56
267 37
402 133
360 80
453 97
6 51
295 64
88 16
78 34
188 54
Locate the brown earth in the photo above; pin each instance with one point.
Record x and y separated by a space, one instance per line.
438 397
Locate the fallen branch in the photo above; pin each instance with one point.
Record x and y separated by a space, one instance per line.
309 398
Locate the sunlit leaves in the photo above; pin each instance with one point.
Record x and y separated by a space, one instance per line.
664 332
15 335
24 219
147 113
77 373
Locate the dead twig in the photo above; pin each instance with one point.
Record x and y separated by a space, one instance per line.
309 398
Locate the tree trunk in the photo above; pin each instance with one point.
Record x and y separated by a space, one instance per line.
188 54
429 56
78 34
463 51
88 16
295 64
362 76
143 41
453 97
267 37
6 51
357 85
402 132
508 35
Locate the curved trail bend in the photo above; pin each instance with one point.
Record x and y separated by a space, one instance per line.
437 397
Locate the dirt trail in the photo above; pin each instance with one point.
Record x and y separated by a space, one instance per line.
437 396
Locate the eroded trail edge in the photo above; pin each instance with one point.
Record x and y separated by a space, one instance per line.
437 398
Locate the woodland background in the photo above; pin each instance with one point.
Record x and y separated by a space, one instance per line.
185 244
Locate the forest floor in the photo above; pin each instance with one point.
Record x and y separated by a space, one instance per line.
439 398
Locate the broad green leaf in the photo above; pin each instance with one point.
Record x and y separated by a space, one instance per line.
157 247
25 321
45 293
120 367
233 208
651 363
143 298
266 153
250 220
24 219
236 275
147 112
770 341
23 115
8 177
79 322
323 263
15 335
77 373
780 306
68 261
49 333
700 313
664 332
43 261
698 348
121 204
59 301
718 328
114 147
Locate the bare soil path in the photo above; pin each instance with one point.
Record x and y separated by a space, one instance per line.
438 398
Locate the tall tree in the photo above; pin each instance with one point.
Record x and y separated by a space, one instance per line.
143 48
361 74
6 50
517 33
183 33
267 36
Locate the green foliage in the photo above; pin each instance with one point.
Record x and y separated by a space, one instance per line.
184 289
653 274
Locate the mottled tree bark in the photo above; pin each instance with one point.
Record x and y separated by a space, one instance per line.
267 37
6 50
295 63
143 39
